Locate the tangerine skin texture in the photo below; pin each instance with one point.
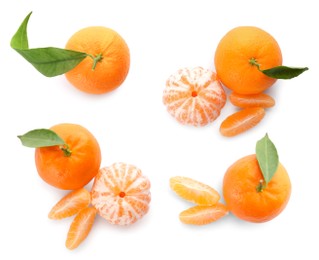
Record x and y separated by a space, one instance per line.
111 71
234 52
75 171
243 200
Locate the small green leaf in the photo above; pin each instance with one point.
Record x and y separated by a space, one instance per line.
267 158
20 39
41 138
48 61
283 72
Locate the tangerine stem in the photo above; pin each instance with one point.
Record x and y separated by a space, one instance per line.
261 186
66 150
96 59
254 62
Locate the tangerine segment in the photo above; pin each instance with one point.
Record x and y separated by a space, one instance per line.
121 194
194 96
253 100
71 204
194 191
245 200
202 215
241 121
80 227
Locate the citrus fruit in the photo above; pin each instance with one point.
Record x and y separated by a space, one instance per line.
202 215
241 121
194 96
194 191
73 165
71 204
120 193
80 227
245 199
252 100
236 57
108 64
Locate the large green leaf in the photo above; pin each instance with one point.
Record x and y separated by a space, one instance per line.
41 138
49 61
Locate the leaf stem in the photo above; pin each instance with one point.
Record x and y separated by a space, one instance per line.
66 150
96 59
261 186
254 62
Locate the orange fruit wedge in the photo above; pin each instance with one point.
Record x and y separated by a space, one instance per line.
80 227
253 100
70 204
202 215
194 191
241 121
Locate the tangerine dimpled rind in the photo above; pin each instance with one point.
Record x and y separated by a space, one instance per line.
74 171
121 194
194 96
242 197
234 52
110 71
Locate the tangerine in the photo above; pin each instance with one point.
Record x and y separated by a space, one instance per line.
120 193
239 54
247 199
194 96
73 165
108 62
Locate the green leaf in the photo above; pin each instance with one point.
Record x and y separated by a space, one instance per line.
48 61
52 61
41 138
20 39
284 72
267 157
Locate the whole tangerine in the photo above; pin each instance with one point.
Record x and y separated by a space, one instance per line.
107 64
237 56
73 165
246 196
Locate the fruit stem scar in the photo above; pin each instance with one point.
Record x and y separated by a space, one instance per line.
122 194
261 186
96 59
254 62
66 150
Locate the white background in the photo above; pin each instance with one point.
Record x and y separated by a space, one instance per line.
132 126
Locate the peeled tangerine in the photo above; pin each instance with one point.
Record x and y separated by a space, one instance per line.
194 96
121 194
